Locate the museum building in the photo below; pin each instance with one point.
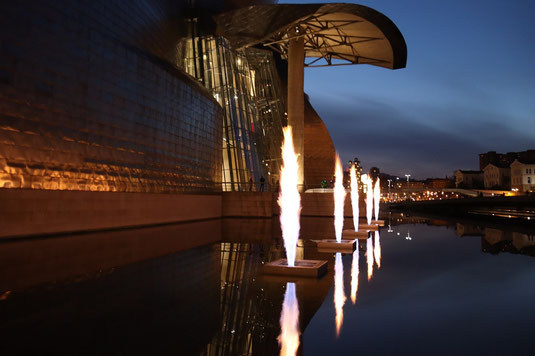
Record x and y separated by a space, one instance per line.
163 99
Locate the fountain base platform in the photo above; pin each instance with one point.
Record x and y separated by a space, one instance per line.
335 246
370 227
378 222
302 268
351 235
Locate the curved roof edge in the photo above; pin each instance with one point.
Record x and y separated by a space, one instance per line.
273 24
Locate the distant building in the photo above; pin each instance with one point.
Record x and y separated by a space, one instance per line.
523 175
503 159
497 176
439 183
358 171
413 184
374 174
468 179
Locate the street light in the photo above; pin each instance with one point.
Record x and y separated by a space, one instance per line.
407 175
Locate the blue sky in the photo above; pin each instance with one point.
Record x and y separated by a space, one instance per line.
468 88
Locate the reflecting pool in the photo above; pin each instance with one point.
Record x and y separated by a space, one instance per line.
443 288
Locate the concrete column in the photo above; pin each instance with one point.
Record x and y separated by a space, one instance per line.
296 100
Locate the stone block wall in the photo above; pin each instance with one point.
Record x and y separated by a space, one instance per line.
26 212
319 149
242 204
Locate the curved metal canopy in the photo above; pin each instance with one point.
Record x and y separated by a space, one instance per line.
334 34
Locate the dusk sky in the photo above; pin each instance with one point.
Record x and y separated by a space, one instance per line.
468 88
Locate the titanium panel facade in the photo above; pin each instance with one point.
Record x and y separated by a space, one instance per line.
89 102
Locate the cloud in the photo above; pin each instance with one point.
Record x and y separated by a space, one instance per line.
424 140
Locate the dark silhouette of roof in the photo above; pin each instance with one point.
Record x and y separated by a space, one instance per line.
334 34
499 164
526 160
470 172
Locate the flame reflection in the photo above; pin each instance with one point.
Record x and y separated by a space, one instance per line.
339 295
369 257
377 249
355 275
339 199
289 322
289 198
354 196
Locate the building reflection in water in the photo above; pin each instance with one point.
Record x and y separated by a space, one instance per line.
251 302
355 275
159 306
28 262
495 237
495 240
339 294
289 323
244 305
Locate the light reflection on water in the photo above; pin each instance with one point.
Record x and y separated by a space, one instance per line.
355 275
377 250
369 257
339 294
289 323
452 289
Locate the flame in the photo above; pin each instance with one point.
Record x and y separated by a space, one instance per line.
369 257
377 250
339 295
289 198
366 179
355 275
377 198
289 322
339 199
354 196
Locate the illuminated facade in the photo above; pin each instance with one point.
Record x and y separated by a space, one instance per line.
247 87
523 175
166 96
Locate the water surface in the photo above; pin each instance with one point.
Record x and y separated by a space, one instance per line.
442 288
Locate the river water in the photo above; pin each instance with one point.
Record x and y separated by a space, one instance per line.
443 288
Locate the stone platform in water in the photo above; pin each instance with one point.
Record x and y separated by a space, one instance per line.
371 227
347 246
351 235
302 268
378 222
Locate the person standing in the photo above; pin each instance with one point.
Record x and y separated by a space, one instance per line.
262 181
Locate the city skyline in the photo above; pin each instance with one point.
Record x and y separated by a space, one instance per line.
466 90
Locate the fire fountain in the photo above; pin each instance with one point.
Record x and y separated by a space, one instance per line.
376 201
290 205
367 180
338 245
350 234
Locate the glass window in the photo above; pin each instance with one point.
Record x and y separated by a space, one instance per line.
247 86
